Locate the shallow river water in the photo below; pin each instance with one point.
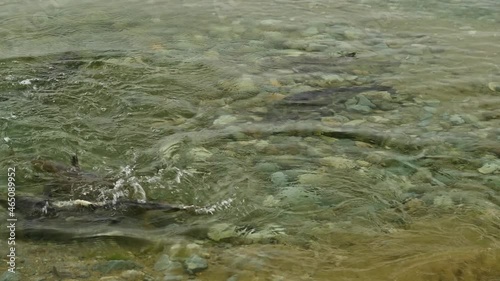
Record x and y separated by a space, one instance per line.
304 140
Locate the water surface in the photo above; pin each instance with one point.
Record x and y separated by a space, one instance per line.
318 140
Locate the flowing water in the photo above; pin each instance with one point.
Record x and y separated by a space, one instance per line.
314 140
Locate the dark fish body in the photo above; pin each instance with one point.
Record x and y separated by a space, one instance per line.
70 182
35 207
330 96
43 219
311 105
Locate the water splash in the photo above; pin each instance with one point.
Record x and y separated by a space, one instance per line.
211 209
184 182
126 186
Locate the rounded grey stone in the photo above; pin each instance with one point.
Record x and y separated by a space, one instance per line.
310 31
279 179
430 109
8 276
115 265
173 278
267 167
195 264
163 263
456 120
364 101
221 231
359 108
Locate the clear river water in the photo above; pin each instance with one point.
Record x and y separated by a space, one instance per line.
302 140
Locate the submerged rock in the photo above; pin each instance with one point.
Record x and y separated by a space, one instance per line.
267 167
168 266
456 120
279 179
132 275
338 162
115 265
163 263
225 120
9 276
443 201
246 85
169 277
298 196
222 231
110 278
195 264
489 168
70 270
315 179
359 108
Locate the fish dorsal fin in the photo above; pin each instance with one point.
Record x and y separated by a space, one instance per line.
74 161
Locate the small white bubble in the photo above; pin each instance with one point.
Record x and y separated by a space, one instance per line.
44 209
